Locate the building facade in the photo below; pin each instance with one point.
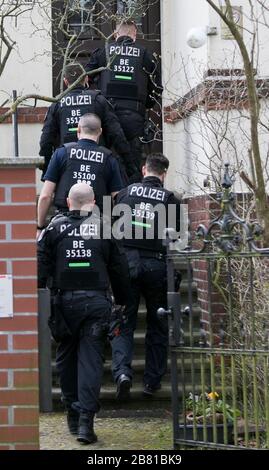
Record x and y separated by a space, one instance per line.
206 120
205 104
205 124
27 70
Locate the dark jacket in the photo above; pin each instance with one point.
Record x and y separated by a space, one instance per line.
150 204
101 170
149 65
105 259
113 134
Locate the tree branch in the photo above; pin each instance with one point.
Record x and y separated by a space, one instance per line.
49 99
260 192
9 45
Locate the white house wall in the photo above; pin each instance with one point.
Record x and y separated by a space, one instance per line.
199 146
182 67
224 53
187 146
29 135
29 66
28 70
188 150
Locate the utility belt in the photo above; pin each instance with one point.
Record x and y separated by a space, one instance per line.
134 257
144 253
132 105
63 292
151 254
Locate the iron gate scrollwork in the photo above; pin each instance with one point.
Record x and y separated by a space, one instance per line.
219 334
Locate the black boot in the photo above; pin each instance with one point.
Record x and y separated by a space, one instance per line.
72 421
124 384
86 433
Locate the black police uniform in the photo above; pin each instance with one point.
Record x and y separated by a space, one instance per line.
83 161
148 277
62 119
82 266
132 85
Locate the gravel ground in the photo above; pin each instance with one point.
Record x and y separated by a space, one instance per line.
113 433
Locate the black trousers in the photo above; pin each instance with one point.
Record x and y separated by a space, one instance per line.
150 282
79 359
132 124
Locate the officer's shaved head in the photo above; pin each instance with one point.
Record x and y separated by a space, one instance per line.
73 71
90 124
126 28
80 197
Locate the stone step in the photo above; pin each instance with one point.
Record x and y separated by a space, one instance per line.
139 339
139 347
138 399
162 398
138 366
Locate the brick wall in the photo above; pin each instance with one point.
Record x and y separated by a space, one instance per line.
202 209
27 115
19 401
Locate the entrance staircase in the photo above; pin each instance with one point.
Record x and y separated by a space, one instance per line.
161 401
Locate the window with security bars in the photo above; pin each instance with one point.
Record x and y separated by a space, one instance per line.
93 20
132 9
82 17
15 5
87 16
18 3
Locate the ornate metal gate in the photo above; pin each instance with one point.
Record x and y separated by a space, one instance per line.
219 337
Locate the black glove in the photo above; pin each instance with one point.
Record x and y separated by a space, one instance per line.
149 132
57 324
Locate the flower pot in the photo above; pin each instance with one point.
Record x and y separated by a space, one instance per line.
200 419
187 432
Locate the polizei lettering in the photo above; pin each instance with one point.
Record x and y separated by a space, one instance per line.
128 51
148 193
76 100
88 155
84 230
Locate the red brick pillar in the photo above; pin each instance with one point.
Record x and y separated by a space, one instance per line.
202 210
19 401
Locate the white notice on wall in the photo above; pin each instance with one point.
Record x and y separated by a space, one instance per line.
6 296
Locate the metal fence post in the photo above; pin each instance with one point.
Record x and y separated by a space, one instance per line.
15 127
44 343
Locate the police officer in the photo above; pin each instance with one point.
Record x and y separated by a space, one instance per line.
79 161
132 83
62 118
82 265
149 203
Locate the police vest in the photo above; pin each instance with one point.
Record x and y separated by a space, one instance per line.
126 81
83 164
149 205
80 257
71 107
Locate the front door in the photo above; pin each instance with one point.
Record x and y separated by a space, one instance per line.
81 26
